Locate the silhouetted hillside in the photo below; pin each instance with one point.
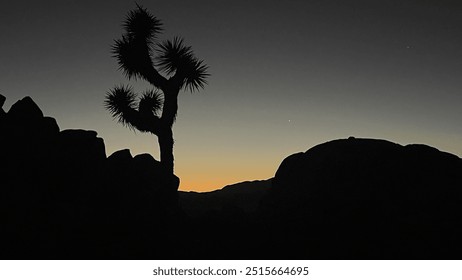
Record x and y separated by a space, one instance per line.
244 196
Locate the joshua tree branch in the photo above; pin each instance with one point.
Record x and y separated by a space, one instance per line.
142 121
134 59
156 79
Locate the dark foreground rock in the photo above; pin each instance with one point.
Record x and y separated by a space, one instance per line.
62 198
365 198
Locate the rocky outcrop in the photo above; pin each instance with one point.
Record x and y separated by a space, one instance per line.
2 102
366 198
25 110
61 197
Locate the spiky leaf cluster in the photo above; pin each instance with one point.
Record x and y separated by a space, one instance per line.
151 101
135 53
133 57
174 57
196 75
121 102
141 24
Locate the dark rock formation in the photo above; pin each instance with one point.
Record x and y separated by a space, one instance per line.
25 110
365 198
62 198
2 102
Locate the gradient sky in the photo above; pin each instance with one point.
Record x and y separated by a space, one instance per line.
286 76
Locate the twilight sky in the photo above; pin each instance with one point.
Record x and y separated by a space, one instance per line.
286 75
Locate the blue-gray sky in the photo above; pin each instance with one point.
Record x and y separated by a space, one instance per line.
286 75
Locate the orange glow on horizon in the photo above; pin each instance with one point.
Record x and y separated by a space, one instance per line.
211 184
199 180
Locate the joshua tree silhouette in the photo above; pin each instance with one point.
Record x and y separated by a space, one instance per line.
141 55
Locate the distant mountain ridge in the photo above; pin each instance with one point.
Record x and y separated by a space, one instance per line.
245 196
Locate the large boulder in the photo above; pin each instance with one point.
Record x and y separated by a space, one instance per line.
81 144
28 141
25 123
350 165
25 110
120 157
367 198
152 172
143 171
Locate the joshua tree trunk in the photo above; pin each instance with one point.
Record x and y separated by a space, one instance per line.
165 138
165 134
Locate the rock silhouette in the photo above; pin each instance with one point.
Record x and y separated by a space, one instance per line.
366 198
61 197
